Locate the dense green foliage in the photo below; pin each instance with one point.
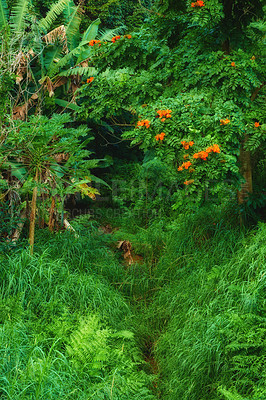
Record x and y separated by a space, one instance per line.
64 328
148 116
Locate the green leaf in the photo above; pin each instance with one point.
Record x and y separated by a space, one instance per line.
66 104
19 11
3 14
53 13
91 31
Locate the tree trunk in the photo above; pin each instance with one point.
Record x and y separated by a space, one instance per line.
51 215
246 172
33 214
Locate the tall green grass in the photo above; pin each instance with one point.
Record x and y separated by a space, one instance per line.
211 311
66 332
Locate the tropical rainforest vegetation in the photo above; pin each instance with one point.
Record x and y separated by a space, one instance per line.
132 200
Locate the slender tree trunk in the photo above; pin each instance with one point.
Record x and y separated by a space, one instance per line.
245 161
246 172
51 215
33 214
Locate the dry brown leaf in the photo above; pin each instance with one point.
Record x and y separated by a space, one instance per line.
59 82
58 33
34 96
20 112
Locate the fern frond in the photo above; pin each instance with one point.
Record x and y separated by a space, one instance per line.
18 14
54 11
3 14
78 71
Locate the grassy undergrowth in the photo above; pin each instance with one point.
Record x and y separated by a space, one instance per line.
65 332
77 322
202 291
212 312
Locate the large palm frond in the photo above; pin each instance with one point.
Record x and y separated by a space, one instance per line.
3 14
73 20
18 16
91 31
78 71
55 10
90 34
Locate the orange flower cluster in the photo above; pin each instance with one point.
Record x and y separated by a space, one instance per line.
93 42
257 124
233 64
89 80
185 165
213 149
204 154
160 136
224 121
128 36
115 38
144 122
198 3
163 114
189 182
186 145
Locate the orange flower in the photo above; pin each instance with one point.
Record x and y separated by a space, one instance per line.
93 42
160 136
180 168
128 36
89 80
198 3
187 164
216 148
224 121
163 119
257 124
187 144
115 38
202 154
233 64
144 122
189 182
164 113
